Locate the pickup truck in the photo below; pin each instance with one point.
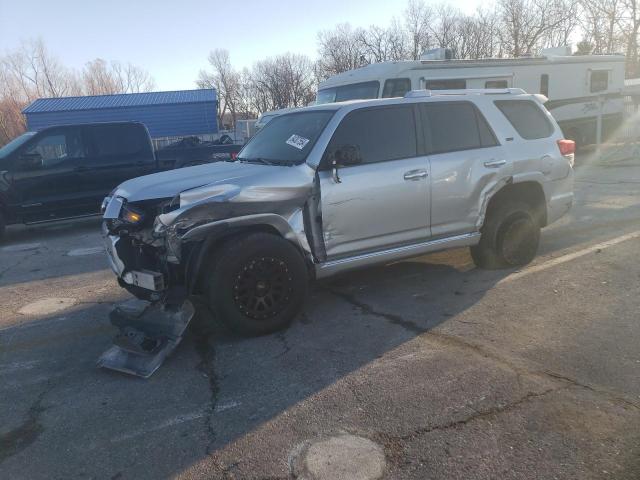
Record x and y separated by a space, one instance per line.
65 171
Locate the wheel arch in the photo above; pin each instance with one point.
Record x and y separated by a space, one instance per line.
531 192
201 247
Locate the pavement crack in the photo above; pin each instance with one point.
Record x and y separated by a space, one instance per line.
206 352
21 437
369 310
573 382
286 347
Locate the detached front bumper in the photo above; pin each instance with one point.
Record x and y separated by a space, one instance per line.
121 255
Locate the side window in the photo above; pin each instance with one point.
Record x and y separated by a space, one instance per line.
544 84
526 117
56 147
452 84
456 126
599 81
123 141
381 134
396 87
496 84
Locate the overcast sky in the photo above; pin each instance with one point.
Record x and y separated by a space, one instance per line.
172 39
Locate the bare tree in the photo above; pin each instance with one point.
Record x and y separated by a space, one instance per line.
102 78
225 80
339 50
416 22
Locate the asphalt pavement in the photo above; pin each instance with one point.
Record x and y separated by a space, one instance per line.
424 369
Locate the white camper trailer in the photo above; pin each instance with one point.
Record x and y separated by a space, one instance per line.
579 88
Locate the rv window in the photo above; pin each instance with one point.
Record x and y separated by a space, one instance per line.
456 126
599 81
544 84
355 91
526 117
452 84
396 87
496 84
381 134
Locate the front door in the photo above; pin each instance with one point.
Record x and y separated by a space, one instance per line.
45 175
382 201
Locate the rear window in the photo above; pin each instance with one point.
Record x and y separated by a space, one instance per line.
526 117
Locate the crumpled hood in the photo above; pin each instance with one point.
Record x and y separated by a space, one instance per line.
220 177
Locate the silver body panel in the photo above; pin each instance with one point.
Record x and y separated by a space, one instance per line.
376 213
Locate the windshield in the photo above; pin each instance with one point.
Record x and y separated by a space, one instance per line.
15 143
355 91
287 139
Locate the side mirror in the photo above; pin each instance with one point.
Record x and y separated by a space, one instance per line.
347 155
30 161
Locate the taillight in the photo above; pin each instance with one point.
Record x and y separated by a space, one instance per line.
567 147
234 155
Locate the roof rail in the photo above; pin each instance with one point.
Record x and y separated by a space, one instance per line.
467 91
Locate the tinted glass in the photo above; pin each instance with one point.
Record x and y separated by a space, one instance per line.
599 81
380 133
118 140
544 84
526 117
15 143
287 139
396 87
456 126
453 84
356 91
496 84
57 147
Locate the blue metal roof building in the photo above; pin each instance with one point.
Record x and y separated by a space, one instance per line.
166 114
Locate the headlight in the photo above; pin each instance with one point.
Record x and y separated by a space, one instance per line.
131 215
104 205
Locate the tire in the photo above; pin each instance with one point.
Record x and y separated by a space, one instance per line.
257 284
510 237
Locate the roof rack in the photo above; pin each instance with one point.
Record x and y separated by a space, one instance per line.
467 91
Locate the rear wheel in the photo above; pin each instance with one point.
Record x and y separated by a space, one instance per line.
257 284
510 237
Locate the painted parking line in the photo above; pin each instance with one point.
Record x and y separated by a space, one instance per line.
23 247
570 256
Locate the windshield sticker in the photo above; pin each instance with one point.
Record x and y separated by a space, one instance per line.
297 141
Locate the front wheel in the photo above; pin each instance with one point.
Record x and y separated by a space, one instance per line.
257 284
510 237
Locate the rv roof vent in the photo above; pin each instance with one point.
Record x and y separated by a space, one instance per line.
437 54
564 51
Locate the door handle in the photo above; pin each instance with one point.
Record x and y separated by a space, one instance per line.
495 163
415 174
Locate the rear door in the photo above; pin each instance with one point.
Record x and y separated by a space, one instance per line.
384 200
45 176
118 152
467 161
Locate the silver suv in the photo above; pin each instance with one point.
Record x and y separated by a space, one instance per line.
329 188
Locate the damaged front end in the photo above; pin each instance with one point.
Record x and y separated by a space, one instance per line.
158 245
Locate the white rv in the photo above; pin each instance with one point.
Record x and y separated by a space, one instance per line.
579 88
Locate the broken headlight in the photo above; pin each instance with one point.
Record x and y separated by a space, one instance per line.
131 215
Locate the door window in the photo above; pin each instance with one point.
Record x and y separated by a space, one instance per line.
453 126
544 84
119 141
381 134
396 87
599 81
52 149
